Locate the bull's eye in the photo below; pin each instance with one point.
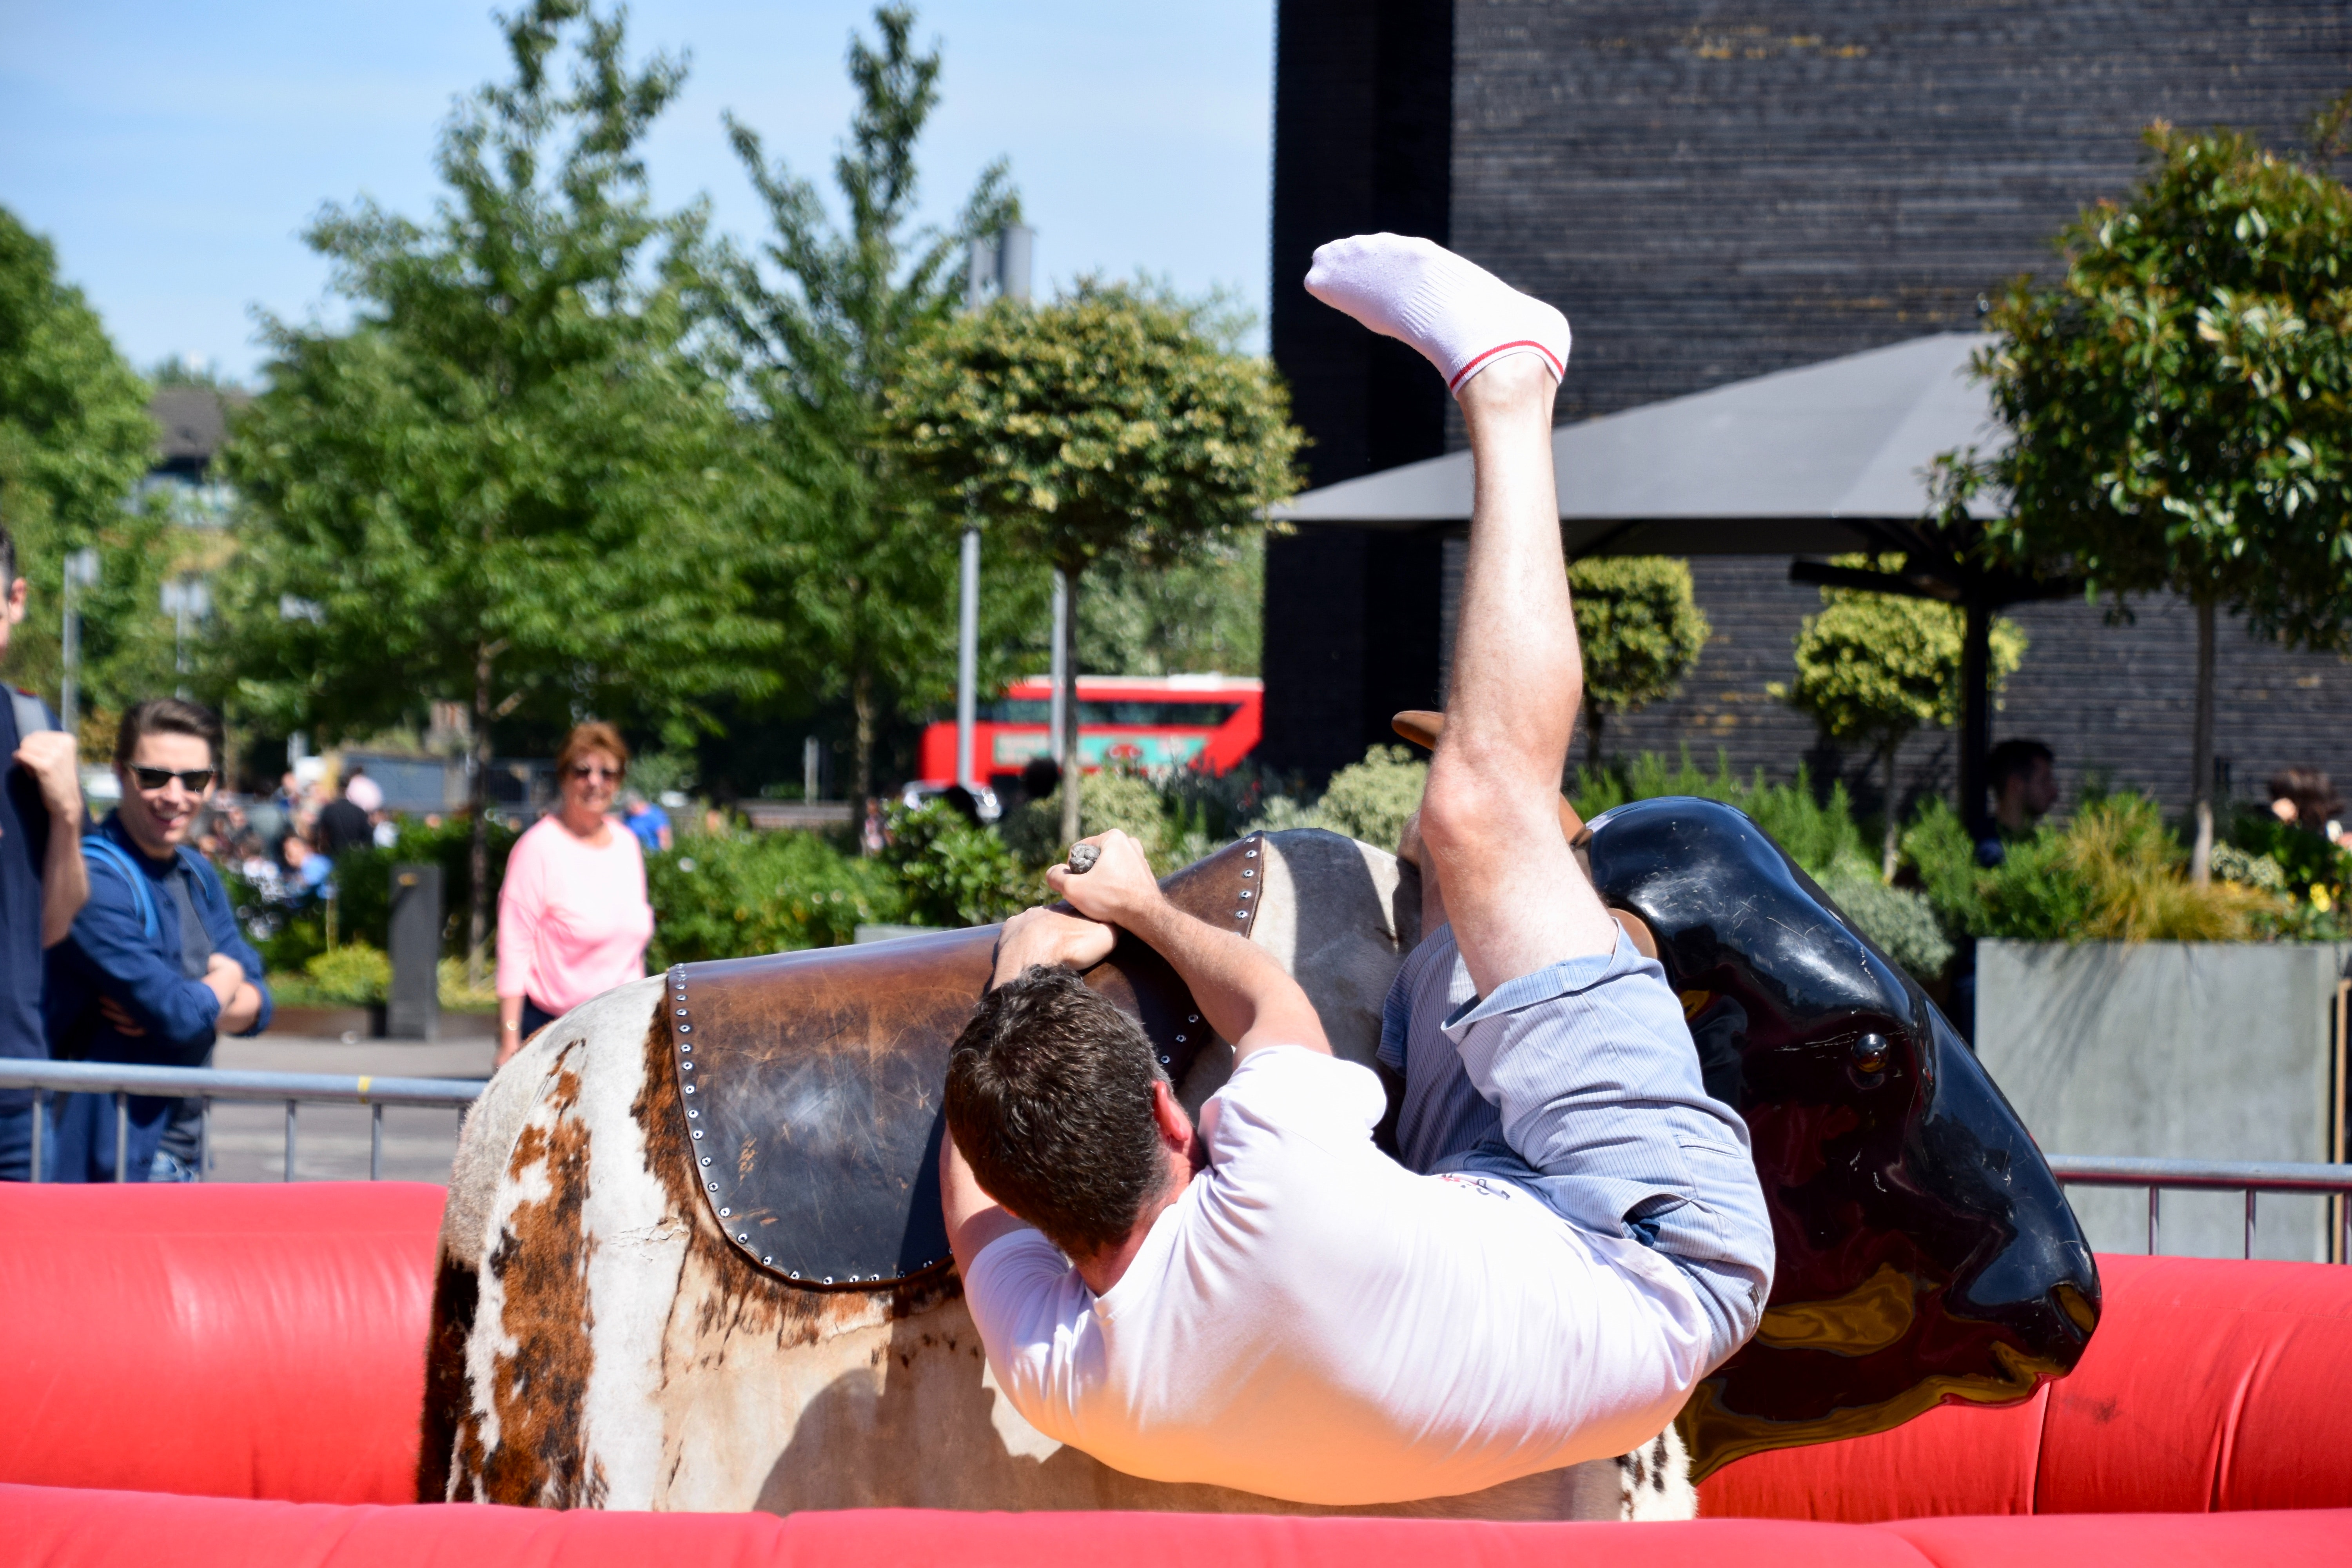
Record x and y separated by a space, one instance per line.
1870 1055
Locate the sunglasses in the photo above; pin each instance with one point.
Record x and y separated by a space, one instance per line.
589 770
192 780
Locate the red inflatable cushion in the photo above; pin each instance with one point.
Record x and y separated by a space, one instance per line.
235 1340
56 1528
2227 1389
2211 1384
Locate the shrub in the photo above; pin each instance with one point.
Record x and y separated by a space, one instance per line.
1820 835
1937 847
2113 874
1109 799
1221 806
456 996
1281 813
1370 800
2232 864
1815 833
352 975
736 896
1640 631
2304 859
1900 920
951 873
363 883
287 937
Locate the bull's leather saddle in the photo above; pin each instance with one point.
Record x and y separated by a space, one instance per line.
810 1081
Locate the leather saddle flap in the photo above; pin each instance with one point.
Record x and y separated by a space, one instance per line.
810 1082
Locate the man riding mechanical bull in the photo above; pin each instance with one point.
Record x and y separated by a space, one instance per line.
1266 1299
1685 1168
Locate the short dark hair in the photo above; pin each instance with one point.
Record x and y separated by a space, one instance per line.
2313 793
1049 1097
8 559
166 716
2015 760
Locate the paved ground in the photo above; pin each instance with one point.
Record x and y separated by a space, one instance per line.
331 1141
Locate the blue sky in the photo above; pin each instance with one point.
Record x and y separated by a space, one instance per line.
174 153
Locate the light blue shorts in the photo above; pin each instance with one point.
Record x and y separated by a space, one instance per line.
1580 1083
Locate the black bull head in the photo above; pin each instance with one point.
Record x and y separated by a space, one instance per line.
1926 1252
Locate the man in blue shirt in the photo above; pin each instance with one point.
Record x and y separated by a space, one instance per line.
648 821
41 881
155 969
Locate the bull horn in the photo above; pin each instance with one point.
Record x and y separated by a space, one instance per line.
1422 726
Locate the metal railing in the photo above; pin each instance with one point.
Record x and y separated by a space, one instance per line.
2252 1178
208 1084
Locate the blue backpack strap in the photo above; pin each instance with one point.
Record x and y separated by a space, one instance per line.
106 851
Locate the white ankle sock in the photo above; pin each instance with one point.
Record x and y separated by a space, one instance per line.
1461 317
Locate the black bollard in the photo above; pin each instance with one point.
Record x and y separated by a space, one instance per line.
414 1011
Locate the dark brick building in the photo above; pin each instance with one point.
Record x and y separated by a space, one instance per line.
1711 192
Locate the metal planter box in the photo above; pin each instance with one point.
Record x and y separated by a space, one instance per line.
2175 1050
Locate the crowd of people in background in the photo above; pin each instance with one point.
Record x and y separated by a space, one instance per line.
286 844
118 941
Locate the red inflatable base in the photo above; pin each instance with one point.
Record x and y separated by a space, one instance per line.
72 1529
226 1339
2209 1386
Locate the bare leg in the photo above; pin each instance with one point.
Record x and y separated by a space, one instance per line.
1490 814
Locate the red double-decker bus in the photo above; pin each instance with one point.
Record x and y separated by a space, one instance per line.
1124 720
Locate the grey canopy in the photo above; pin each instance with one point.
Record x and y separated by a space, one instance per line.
1799 460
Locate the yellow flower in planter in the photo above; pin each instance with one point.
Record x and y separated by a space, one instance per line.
2320 900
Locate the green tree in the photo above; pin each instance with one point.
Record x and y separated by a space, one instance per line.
1639 630
75 436
1209 617
823 325
506 480
2181 403
1872 668
1110 426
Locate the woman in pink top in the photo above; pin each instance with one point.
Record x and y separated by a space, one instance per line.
573 917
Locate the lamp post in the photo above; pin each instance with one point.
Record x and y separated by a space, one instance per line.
80 572
996 268
186 601
1058 716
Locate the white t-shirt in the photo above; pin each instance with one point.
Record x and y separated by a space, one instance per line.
1310 1320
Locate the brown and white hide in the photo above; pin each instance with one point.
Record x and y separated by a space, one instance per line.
598 1343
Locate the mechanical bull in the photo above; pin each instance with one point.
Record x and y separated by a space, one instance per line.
692 1257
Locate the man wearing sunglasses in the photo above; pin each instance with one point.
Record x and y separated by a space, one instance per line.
155 969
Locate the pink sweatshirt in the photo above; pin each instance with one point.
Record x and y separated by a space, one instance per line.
573 917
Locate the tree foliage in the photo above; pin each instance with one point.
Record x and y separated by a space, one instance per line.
1111 424
506 481
75 434
1872 668
1206 616
75 437
1639 630
2180 400
822 324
